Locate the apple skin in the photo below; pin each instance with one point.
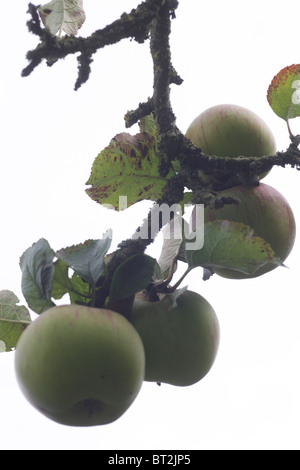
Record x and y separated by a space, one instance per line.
266 211
80 366
228 130
181 341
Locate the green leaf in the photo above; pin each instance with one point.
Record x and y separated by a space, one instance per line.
61 283
132 276
13 320
37 268
176 165
147 124
81 291
78 290
87 259
231 245
284 92
129 167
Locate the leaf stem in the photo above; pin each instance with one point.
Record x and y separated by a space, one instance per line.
93 297
173 288
22 322
290 131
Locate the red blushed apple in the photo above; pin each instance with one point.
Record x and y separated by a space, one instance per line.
266 211
228 130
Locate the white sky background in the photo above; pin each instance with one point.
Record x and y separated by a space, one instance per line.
226 52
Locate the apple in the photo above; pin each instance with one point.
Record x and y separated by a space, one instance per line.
80 366
228 130
266 211
181 339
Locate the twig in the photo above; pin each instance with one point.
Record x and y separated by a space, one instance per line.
135 24
152 19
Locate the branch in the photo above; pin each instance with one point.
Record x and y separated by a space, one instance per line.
134 25
146 108
125 250
152 19
163 75
161 56
244 169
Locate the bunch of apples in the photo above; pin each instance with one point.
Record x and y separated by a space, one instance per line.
234 131
84 366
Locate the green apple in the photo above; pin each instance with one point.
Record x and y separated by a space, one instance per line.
266 211
80 366
181 339
228 130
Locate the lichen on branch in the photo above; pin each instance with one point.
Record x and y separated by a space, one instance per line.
151 20
135 25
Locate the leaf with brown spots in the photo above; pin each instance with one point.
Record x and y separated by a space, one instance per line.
129 167
63 15
284 92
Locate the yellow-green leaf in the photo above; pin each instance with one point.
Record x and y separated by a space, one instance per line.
13 320
129 167
232 245
284 92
